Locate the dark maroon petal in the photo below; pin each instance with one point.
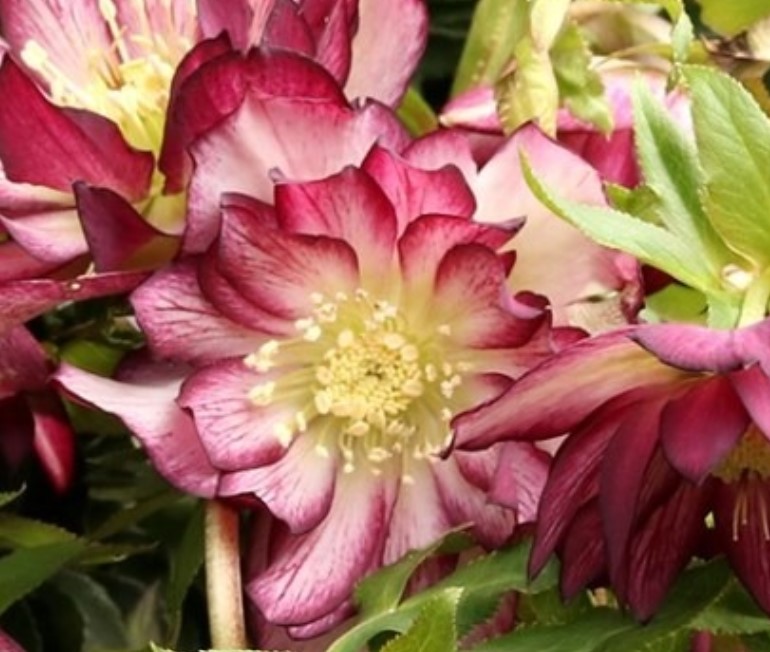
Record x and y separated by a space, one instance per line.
583 557
279 272
118 237
572 481
17 434
544 404
742 513
699 428
753 388
45 145
182 325
663 546
20 301
622 477
54 439
692 348
349 206
23 362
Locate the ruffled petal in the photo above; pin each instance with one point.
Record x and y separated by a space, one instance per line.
700 428
298 488
692 348
314 573
150 411
182 325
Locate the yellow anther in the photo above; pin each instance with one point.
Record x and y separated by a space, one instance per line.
358 429
284 434
262 394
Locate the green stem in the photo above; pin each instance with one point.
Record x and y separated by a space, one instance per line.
223 577
754 307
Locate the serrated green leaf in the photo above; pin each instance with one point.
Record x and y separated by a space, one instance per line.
434 628
383 591
21 532
674 8
669 164
102 621
733 136
25 569
497 27
735 612
730 18
125 518
649 243
682 37
580 87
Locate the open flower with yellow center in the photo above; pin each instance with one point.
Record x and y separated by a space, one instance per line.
330 342
671 425
89 162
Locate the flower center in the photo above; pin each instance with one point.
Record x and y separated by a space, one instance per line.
752 454
129 83
364 383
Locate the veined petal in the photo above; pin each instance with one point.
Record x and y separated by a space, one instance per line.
20 301
243 20
741 515
44 145
298 488
332 36
689 347
349 206
583 556
414 191
16 263
753 388
314 573
237 434
279 271
118 237
23 365
149 410
520 478
182 325
54 235
605 366
700 428
381 67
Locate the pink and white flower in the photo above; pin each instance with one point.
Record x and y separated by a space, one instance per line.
326 344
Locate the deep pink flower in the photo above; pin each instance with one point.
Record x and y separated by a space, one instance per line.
325 344
91 82
7 644
667 424
33 419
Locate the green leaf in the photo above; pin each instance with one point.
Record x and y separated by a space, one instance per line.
126 518
383 591
9 496
675 303
434 629
733 136
670 168
731 17
416 114
21 532
25 569
735 612
96 357
497 27
102 621
144 623
649 243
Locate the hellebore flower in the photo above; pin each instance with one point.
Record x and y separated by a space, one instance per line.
91 86
330 341
667 424
32 417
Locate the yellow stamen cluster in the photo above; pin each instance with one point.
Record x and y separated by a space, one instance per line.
130 89
372 390
752 454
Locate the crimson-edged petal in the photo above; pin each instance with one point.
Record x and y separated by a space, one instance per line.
381 67
520 477
298 488
150 411
181 324
753 388
348 206
583 555
312 574
44 145
236 433
699 428
414 191
279 271
54 439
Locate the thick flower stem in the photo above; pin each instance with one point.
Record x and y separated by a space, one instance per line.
223 577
